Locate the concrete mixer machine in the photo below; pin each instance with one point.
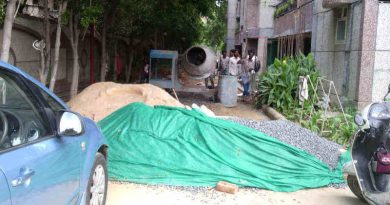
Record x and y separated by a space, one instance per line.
198 62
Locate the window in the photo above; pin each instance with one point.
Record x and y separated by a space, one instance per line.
51 102
341 25
54 105
21 121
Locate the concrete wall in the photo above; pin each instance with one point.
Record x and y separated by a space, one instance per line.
337 61
381 78
24 56
251 16
297 21
266 28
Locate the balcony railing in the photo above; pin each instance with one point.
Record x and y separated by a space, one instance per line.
284 7
336 3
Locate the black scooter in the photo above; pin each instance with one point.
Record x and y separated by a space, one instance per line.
367 174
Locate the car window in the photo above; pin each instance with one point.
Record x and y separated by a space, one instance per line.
21 120
10 97
54 105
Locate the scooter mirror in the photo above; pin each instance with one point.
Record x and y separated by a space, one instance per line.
359 120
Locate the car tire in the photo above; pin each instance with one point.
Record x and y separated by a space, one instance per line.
97 185
353 184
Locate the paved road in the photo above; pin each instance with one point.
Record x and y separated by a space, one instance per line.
123 194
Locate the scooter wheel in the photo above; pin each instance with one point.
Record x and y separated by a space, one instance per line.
353 184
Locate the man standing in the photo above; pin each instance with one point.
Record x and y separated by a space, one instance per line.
224 63
254 67
234 64
246 66
145 76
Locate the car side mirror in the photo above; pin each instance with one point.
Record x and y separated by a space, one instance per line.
70 124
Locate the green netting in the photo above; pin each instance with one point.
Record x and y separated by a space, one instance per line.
175 146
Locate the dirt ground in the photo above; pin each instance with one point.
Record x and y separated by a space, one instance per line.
128 193
242 110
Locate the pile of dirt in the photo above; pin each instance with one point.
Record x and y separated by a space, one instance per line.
101 99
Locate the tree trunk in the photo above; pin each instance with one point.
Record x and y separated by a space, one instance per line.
7 29
46 52
42 71
155 43
130 66
76 71
103 66
61 10
74 38
46 33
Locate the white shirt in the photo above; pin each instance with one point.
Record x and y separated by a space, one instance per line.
233 65
224 62
251 63
146 68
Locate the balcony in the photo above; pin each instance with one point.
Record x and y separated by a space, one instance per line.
336 3
36 9
285 7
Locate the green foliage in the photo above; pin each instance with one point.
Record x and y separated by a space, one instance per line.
279 85
2 11
90 15
178 22
278 88
214 32
283 7
65 17
87 11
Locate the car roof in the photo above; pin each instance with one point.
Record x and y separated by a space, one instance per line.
32 79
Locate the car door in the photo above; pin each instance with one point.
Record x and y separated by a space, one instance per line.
5 196
40 167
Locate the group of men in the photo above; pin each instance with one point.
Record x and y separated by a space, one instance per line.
244 68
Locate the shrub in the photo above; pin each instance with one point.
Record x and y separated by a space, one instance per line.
278 86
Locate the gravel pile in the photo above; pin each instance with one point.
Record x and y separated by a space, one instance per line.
297 136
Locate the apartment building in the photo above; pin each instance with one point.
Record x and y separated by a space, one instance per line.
349 39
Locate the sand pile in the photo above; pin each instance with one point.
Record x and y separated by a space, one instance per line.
101 99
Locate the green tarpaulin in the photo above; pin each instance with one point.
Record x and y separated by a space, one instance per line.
175 146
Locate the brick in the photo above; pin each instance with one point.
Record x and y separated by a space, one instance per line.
226 187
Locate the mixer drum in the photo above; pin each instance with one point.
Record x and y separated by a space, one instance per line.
199 62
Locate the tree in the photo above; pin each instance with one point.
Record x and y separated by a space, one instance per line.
61 9
110 7
81 14
174 24
10 14
46 49
214 32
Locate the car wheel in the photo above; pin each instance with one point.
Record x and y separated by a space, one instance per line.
353 184
97 184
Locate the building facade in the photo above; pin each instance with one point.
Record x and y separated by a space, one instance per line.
347 37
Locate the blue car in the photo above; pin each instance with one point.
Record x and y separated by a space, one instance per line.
48 154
